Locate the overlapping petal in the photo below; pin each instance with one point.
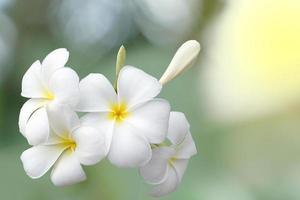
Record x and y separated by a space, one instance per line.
96 94
53 139
172 178
151 118
187 148
129 148
64 83
99 121
53 61
178 127
27 110
180 166
136 86
39 159
67 170
37 127
156 170
90 145
169 185
33 85
62 119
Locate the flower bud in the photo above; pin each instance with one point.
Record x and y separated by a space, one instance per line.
121 57
182 60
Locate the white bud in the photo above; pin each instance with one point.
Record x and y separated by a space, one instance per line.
182 60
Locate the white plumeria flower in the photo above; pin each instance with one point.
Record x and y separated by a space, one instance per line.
132 118
69 145
168 163
45 83
182 60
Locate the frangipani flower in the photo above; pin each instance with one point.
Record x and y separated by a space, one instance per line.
168 163
45 83
182 60
69 145
132 118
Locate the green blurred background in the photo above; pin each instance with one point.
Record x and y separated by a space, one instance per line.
240 161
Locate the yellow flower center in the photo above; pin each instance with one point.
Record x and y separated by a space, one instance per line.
118 112
69 144
48 94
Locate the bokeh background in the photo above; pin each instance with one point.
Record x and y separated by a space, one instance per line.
241 97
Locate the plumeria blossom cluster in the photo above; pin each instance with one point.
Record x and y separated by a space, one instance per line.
124 122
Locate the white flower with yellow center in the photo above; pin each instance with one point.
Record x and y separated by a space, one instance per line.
168 163
69 145
132 117
45 83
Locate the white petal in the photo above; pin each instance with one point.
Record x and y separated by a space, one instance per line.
26 111
53 61
37 128
168 186
180 166
90 145
128 147
178 127
187 148
67 170
99 121
156 170
32 82
151 119
183 59
96 94
53 139
136 86
39 159
64 83
62 119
